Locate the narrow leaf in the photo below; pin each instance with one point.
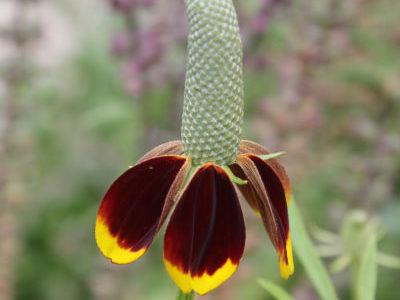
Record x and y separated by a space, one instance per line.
340 263
388 261
271 155
367 272
232 176
308 256
323 235
275 290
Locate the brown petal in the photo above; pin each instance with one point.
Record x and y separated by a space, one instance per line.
247 190
249 147
169 148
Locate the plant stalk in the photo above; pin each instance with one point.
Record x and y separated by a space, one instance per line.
181 296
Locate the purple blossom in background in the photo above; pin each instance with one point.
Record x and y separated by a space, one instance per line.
123 5
122 43
259 23
127 5
261 18
145 47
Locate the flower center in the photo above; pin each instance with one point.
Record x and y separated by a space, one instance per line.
213 100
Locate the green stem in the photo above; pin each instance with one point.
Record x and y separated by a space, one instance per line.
354 266
181 296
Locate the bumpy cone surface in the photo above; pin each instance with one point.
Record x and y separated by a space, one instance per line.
213 100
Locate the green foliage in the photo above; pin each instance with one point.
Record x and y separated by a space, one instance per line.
275 290
367 271
305 251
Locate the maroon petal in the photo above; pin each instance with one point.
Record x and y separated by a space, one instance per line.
205 237
266 194
249 147
136 205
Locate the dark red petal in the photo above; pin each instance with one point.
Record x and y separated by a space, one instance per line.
274 188
247 190
135 206
265 193
205 237
249 147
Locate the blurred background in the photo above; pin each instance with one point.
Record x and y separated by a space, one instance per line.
86 87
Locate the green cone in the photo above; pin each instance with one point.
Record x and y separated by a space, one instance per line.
213 101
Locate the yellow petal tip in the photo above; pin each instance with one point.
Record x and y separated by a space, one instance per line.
205 283
109 247
181 279
200 284
287 268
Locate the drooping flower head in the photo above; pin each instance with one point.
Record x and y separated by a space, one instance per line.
195 177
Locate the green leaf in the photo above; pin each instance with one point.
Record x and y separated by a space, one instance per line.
232 176
271 155
308 256
367 272
275 290
388 261
340 263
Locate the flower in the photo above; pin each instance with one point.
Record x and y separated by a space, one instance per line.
205 236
